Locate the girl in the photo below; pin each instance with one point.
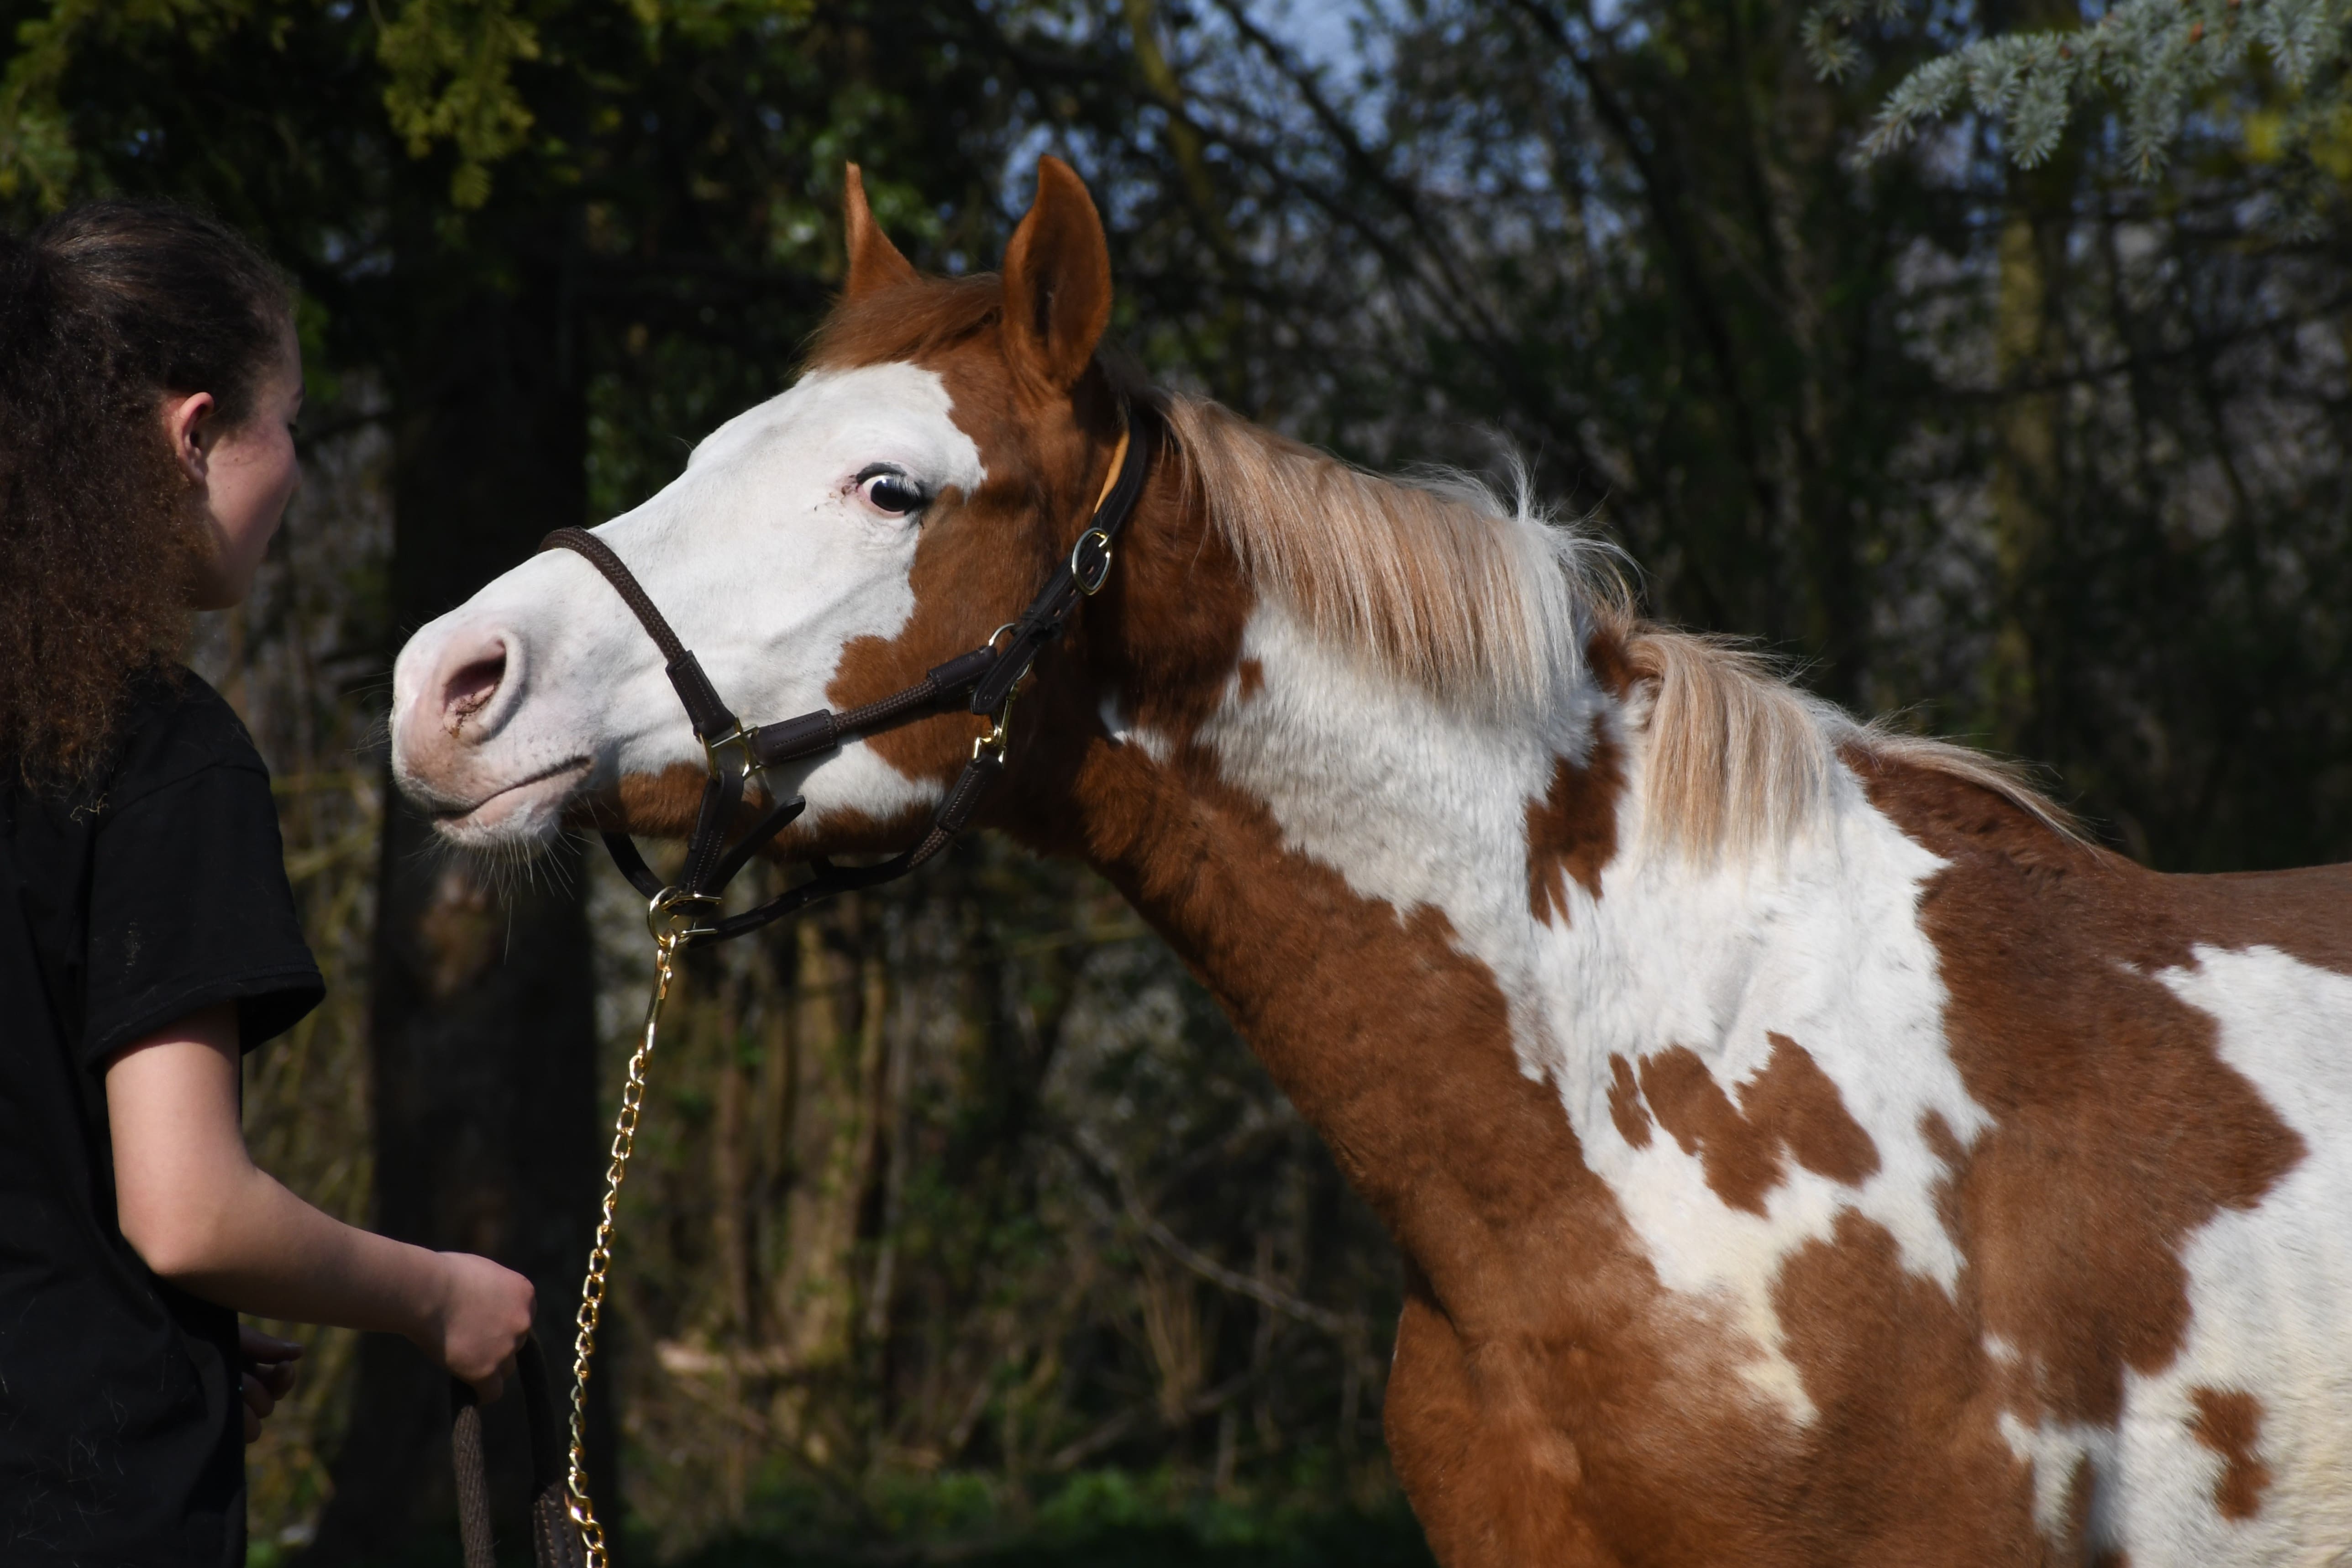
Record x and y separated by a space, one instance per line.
149 380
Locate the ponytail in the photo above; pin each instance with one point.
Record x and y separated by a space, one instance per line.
105 311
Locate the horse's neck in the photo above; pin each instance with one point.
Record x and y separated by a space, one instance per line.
1333 854
1448 935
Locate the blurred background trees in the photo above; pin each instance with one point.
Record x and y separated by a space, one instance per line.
963 1222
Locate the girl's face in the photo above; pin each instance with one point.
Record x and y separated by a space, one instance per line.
244 474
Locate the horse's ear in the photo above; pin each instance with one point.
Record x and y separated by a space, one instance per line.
1056 281
874 262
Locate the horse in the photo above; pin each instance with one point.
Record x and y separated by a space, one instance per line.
1803 1146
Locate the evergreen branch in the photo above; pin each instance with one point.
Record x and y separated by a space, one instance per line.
2156 59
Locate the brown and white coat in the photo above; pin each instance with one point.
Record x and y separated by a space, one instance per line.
1802 1149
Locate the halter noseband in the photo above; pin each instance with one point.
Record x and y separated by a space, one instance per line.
732 754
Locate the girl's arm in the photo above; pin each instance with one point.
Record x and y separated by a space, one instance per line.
193 1204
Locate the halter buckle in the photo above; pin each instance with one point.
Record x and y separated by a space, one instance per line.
671 924
732 749
1090 569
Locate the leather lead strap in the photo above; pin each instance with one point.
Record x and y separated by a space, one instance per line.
555 1543
988 674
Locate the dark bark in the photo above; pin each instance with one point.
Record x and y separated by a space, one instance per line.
483 1030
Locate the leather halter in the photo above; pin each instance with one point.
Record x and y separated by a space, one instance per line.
732 753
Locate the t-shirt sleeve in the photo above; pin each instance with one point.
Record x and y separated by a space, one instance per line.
189 907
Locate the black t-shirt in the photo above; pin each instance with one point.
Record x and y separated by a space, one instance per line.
124 905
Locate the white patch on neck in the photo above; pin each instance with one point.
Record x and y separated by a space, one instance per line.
1421 804
1823 947
1412 801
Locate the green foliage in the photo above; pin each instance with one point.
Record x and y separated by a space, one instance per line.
450 64
37 155
2159 61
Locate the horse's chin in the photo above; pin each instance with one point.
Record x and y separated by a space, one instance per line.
517 818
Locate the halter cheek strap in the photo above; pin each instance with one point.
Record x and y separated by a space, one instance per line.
982 682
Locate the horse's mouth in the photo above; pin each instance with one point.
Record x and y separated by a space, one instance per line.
551 786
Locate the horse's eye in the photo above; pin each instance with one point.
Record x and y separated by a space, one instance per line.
891 491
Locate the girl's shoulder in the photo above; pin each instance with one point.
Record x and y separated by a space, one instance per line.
174 726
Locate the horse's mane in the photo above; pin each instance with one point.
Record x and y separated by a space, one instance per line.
1493 601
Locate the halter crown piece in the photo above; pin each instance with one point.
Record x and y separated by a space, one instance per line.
685 912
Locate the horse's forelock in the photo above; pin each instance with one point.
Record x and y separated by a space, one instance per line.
908 321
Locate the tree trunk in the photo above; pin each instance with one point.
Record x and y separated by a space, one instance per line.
483 1027
2028 354
838 1021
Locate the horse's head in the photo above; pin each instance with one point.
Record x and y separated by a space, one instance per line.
902 500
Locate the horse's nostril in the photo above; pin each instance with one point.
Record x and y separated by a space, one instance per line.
473 684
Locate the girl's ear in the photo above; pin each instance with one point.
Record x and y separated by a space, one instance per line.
874 262
1056 282
186 425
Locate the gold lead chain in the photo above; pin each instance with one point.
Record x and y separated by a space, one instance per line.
600 1255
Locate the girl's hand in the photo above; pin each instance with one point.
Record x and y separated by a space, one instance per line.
268 1369
483 1316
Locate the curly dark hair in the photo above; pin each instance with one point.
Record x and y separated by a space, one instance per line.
104 310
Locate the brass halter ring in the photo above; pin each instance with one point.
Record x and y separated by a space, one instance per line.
671 924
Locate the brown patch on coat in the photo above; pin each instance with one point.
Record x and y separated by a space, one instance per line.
2229 1422
2117 1128
1626 1107
1253 678
653 805
661 805
1742 1161
1790 1105
1572 831
2150 920
1798 1102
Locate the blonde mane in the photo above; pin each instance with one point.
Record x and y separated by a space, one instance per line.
1492 601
